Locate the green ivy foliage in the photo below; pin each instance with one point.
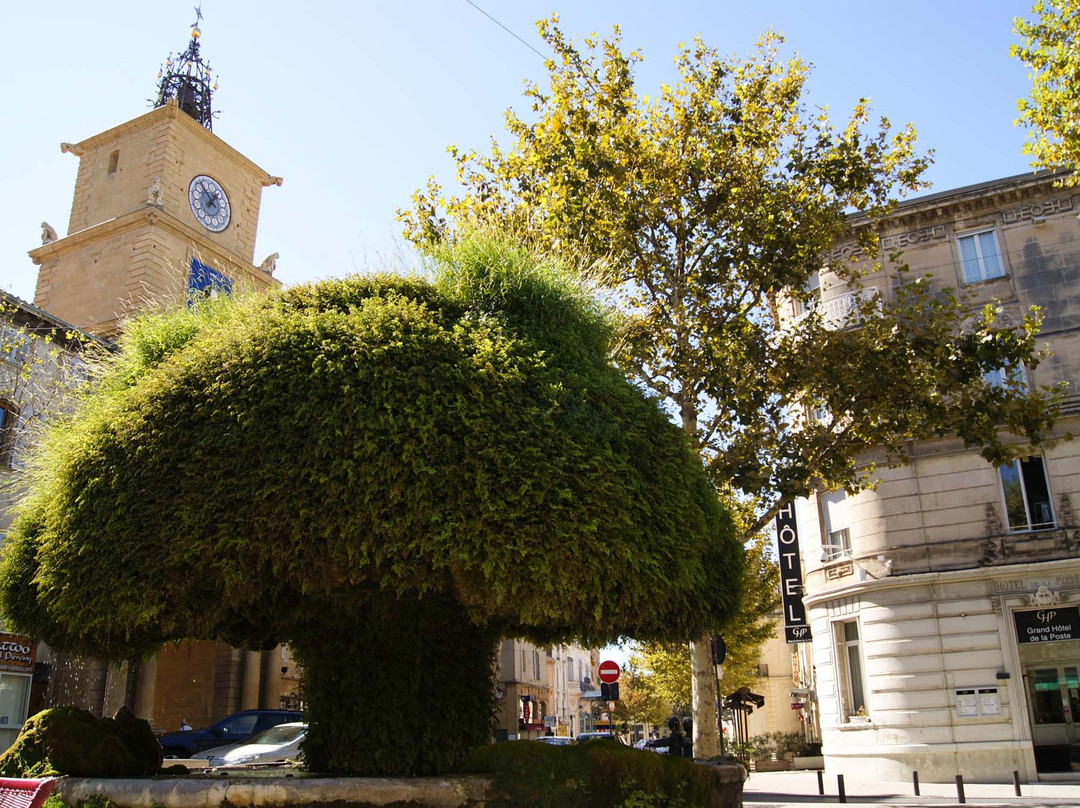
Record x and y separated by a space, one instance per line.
243 470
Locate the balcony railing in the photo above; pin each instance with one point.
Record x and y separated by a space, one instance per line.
836 310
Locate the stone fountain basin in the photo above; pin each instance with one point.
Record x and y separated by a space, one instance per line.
276 789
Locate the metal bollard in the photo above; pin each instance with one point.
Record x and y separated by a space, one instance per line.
915 782
841 794
960 789
820 783
1016 782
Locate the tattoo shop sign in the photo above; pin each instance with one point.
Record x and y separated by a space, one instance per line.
1053 624
16 654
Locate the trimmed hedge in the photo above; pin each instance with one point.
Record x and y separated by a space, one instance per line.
594 774
328 462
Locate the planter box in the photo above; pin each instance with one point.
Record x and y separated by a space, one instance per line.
772 765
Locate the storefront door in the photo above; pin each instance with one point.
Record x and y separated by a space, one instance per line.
1053 693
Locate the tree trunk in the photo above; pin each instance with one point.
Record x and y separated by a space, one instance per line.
703 676
394 687
703 699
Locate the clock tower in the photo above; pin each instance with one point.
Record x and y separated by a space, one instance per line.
163 210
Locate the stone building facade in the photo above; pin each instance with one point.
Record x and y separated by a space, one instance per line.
944 603
785 706
42 359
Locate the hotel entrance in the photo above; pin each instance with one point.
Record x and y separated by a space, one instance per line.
1051 669
1053 695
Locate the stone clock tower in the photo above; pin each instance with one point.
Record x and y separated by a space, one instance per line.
163 209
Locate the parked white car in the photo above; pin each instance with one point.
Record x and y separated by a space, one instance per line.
275 745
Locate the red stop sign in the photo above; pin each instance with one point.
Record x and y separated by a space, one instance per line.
608 672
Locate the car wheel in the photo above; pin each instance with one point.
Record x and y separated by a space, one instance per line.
172 753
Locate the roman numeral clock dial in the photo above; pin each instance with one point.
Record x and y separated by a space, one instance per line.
209 203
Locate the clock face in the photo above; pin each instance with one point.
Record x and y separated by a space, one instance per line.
209 203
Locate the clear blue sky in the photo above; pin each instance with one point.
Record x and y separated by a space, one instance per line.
354 103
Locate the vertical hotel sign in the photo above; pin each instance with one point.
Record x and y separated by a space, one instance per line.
796 627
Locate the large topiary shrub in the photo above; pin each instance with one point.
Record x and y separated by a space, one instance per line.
389 474
67 740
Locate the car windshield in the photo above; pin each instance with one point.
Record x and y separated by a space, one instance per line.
278 735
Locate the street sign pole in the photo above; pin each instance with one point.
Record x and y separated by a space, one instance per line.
608 674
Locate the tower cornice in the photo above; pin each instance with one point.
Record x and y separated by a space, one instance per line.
209 249
168 112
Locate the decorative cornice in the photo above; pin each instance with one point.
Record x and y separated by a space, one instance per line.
1033 569
148 216
171 114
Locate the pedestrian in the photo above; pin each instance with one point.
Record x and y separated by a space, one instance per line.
184 725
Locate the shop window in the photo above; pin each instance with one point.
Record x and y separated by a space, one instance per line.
14 701
980 256
849 668
1026 492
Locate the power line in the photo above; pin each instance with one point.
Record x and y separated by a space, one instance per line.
515 36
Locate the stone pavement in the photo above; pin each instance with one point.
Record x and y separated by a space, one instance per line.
780 789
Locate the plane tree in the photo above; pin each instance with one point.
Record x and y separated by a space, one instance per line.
1051 112
708 208
389 474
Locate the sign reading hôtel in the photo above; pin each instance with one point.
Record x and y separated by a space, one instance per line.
796 627
1052 624
16 654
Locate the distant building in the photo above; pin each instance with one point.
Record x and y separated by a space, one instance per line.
42 359
785 705
945 604
540 690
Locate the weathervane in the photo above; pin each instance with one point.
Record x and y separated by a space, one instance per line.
187 78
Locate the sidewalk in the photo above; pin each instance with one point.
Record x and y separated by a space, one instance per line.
768 789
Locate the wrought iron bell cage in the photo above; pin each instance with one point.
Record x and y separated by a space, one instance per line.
187 78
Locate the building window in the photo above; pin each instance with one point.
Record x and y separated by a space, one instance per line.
524 660
8 416
570 669
14 345
838 544
980 256
1000 377
812 289
536 664
114 161
1027 494
852 687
